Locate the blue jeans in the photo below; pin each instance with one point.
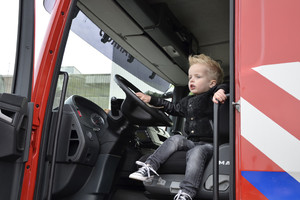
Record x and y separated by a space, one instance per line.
197 155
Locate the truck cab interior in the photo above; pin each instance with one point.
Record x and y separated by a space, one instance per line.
89 147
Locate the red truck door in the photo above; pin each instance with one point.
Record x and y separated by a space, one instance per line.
268 88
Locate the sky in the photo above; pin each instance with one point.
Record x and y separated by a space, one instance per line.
71 58
7 37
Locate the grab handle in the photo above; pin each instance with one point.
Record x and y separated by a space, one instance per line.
216 151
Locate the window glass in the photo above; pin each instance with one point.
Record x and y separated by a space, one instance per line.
92 64
8 41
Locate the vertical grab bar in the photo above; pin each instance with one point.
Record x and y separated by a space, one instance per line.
216 154
216 151
57 130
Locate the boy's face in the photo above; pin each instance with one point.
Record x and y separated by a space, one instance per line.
199 81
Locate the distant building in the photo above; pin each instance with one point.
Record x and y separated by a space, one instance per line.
5 83
70 70
94 87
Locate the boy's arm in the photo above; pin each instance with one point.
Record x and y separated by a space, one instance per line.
219 96
175 109
166 106
220 93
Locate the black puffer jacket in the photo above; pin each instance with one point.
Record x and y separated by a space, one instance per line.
198 111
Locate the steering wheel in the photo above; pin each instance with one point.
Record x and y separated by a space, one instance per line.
136 110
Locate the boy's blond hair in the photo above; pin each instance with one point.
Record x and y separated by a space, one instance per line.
214 70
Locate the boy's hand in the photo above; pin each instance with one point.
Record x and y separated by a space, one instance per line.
145 98
219 96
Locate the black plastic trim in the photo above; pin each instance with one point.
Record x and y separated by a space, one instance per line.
232 96
22 80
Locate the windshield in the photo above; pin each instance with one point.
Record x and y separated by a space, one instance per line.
92 59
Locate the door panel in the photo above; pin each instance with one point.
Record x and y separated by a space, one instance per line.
13 123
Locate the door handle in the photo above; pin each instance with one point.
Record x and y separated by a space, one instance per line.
5 117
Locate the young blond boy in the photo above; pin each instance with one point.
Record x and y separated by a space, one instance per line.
205 78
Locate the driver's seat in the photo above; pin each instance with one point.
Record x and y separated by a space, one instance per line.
173 170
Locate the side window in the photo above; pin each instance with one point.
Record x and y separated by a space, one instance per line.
8 41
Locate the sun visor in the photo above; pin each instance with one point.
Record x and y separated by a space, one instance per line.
162 27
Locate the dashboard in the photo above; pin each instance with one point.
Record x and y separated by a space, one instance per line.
89 113
83 124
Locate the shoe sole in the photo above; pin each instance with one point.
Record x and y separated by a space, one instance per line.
140 178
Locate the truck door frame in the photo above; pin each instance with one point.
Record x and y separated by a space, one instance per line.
16 132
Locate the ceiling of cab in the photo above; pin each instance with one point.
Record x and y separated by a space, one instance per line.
162 33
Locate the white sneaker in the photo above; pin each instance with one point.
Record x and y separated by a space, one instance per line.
182 196
145 173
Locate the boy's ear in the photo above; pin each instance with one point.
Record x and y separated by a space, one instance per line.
212 83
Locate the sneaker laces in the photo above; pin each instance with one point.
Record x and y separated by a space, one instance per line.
146 168
182 196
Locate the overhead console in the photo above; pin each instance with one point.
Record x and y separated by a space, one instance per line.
160 24
150 33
